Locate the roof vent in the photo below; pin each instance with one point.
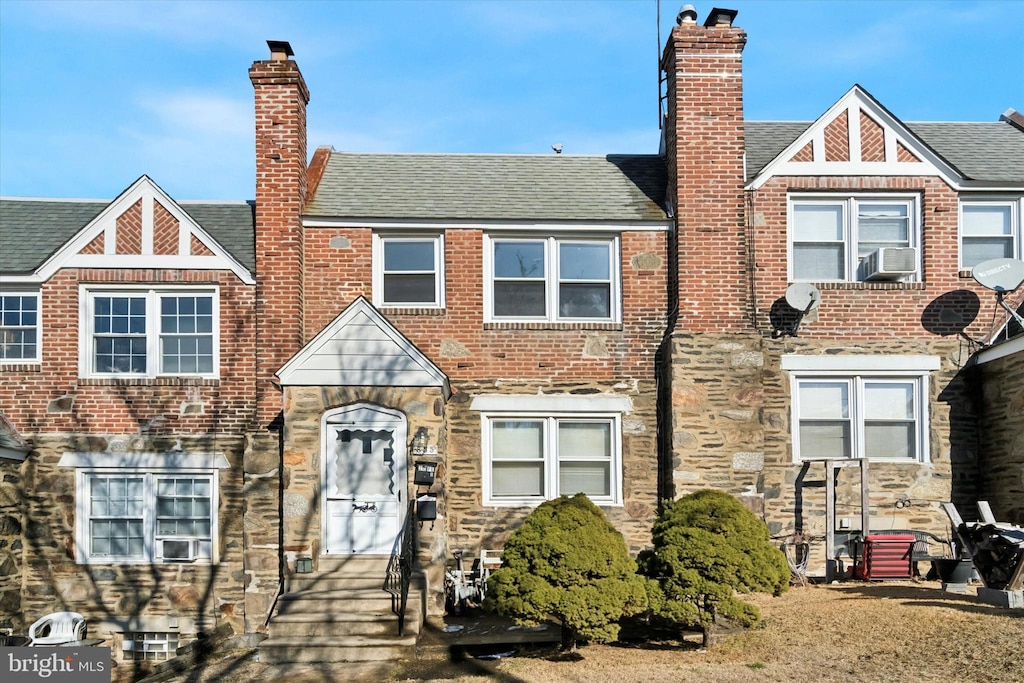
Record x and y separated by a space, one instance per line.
720 17
687 15
280 50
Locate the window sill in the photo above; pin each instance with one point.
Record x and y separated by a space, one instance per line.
908 286
28 366
149 381
548 325
401 310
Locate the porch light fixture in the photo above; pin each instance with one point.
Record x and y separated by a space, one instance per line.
419 441
303 565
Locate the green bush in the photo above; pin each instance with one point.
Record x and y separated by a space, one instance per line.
707 548
567 562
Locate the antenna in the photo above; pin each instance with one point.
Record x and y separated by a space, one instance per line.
801 298
1002 276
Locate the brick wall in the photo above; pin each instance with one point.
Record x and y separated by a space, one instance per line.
459 342
934 307
51 397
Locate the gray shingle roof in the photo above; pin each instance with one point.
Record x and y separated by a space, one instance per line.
981 151
32 230
492 187
987 152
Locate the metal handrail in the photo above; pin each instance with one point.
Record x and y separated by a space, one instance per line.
399 572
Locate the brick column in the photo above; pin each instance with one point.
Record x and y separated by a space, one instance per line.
704 144
281 97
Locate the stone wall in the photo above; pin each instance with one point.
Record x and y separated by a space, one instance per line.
190 598
12 561
731 430
1002 428
472 526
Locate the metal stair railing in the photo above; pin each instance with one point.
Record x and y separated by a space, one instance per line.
399 571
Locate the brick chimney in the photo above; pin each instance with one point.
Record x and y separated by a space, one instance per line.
704 146
281 97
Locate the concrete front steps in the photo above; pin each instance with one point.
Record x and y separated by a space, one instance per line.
341 613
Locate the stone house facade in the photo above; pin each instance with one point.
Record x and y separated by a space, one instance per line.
201 396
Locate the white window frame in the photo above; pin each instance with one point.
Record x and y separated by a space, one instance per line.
552 277
850 202
37 295
151 541
551 459
86 339
379 240
856 382
1016 207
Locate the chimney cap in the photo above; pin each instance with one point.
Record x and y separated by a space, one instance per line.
280 50
687 15
719 16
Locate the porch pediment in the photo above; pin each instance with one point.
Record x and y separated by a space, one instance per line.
361 348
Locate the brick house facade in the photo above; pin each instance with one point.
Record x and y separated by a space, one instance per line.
199 396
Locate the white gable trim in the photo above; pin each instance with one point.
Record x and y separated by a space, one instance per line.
853 102
149 193
413 368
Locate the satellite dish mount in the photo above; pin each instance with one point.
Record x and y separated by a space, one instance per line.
801 298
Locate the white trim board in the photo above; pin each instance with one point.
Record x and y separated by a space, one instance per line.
853 363
551 403
146 461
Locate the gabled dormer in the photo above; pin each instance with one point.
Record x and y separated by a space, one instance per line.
856 136
141 228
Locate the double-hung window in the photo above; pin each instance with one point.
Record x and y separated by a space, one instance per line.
990 229
831 237
529 458
134 516
20 323
860 416
149 333
556 279
408 271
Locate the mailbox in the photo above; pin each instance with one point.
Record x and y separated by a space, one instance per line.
423 473
426 507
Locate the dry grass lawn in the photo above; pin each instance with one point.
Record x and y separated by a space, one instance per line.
865 632
871 633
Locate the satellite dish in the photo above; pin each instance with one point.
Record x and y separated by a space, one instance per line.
803 296
1000 274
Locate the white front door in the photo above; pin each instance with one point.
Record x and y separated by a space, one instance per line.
364 480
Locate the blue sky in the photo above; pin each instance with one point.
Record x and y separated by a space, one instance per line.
94 94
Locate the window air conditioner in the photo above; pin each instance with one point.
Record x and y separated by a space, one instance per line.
890 263
179 549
